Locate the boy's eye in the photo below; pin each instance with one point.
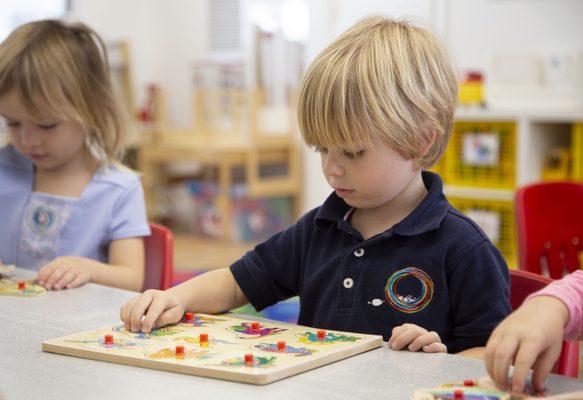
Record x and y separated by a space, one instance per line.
47 126
13 124
355 155
321 150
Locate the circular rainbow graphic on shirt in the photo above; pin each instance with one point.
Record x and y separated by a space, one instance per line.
409 304
42 218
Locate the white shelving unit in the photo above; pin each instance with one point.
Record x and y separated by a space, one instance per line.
535 135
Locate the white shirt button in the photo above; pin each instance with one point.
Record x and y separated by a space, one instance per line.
348 283
359 252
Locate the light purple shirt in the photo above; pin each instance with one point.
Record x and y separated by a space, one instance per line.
111 207
570 291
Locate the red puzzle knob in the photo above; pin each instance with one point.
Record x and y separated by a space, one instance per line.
189 317
108 340
249 360
321 334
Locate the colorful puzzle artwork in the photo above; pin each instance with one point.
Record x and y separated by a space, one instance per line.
28 288
9 287
222 347
484 389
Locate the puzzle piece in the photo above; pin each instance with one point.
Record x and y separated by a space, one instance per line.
484 389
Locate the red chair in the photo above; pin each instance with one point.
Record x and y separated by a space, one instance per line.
159 252
549 220
522 284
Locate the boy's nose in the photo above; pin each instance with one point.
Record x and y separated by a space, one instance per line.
331 167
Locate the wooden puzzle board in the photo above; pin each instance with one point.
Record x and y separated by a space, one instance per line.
484 389
9 287
230 339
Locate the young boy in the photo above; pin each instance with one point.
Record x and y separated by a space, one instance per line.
385 254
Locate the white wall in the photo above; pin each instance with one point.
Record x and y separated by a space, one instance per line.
164 37
480 28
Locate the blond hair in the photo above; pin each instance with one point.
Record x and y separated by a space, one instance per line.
381 80
60 70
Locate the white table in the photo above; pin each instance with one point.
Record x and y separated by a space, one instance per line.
26 372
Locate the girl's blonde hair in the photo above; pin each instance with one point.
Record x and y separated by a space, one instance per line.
61 71
381 80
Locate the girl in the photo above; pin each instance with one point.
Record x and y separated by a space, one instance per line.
69 208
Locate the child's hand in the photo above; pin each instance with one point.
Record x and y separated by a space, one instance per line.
416 338
159 308
63 272
531 336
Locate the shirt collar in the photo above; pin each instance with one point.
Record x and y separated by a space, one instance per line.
427 216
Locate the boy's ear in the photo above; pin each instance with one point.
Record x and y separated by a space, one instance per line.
425 147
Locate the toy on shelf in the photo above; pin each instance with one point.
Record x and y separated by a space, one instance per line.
471 89
556 165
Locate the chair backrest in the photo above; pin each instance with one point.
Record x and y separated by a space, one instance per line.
549 220
522 284
159 256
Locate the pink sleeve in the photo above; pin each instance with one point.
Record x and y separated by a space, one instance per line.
570 291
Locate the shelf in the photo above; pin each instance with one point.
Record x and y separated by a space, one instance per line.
471 192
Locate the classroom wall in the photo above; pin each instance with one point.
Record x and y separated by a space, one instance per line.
165 38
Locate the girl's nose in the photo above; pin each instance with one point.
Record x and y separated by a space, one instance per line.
29 138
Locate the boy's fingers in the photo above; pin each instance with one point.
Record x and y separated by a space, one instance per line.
395 333
126 311
169 316
424 340
435 347
405 338
157 307
140 307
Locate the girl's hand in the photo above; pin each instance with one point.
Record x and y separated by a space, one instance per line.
63 272
416 338
530 337
152 309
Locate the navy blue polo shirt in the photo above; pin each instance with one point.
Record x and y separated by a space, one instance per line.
435 268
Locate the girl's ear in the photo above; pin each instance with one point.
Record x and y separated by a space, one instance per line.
424 149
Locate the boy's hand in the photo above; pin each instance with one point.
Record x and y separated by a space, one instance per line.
532 337
416 338
156 307
63 272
